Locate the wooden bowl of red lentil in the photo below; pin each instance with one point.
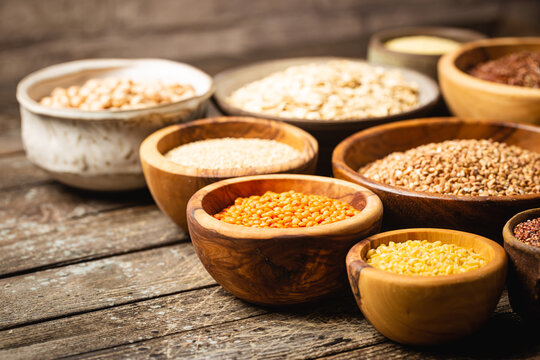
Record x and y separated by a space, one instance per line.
281 266
220 148
418 309
470 96
521 242
407 198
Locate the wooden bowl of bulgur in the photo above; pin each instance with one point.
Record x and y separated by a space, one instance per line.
265 250
81 124
426 286
522 243
433 173
180 159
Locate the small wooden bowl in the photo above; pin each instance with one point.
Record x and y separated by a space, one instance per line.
524 274
279 266
379 53
427 310
403 208
172 184
469 96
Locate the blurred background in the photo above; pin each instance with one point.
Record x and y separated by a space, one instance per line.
217 34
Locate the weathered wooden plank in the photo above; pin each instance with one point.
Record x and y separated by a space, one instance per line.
125 324
100 284
303 332
313 331
29 246
18 171
28 207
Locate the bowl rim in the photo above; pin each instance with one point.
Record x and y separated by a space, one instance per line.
508 231
499 260
72 67
379 38
370 213
149 152
447 67
338 160
227 108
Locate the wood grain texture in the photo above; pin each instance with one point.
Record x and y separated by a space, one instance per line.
99 284
427 310
404 208
121 325
17 171
524 270
303 333
467 96
279 266
34 246
172 184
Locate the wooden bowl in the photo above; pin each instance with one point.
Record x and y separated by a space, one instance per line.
326 131
172 184
279 266
98 150
484 215
379 54
524 274
427 310
468 96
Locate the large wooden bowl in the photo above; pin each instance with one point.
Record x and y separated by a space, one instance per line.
427 310
403 208
279 266
468 96
379 53
524 274
172 184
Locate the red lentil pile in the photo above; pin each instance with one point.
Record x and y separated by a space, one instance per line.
286 210
520 69
528 232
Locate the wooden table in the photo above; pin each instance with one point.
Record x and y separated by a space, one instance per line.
109 276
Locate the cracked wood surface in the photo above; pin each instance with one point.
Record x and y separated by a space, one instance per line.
90 275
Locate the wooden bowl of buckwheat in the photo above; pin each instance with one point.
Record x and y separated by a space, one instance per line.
327 96
83 121
455 173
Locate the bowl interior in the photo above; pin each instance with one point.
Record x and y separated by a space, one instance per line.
220 197
145 70
198 131
376 143
508 231
482 53
466 240
229 81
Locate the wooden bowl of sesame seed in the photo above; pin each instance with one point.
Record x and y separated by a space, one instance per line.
524 270
429 186
280 266
214 149
418 309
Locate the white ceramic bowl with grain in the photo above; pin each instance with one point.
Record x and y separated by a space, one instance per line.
99 150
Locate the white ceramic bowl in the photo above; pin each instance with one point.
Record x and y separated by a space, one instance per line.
98 150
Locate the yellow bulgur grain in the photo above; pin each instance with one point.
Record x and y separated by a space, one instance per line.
422 257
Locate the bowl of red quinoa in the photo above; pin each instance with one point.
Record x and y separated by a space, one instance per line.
522 244
180 159
493 78
462 174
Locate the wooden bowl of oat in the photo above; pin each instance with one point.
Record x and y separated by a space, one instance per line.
327 96
425 181
180 159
